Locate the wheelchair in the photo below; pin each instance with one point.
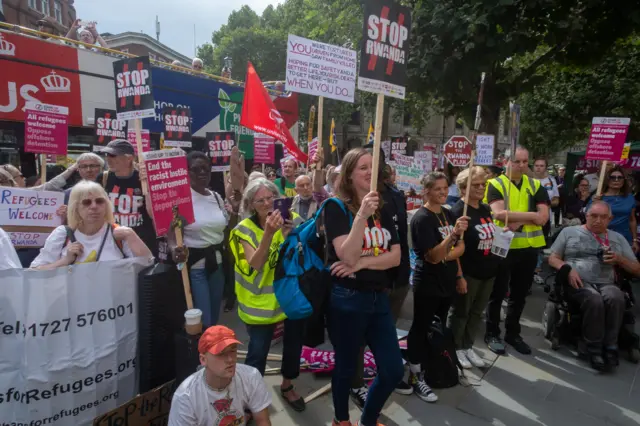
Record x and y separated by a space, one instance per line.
562 319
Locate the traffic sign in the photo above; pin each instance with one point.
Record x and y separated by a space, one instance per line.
457 151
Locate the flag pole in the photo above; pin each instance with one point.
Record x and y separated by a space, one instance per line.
43 169
376 142
312 118
138 125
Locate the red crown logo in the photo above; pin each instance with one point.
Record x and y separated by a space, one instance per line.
56 83
7 48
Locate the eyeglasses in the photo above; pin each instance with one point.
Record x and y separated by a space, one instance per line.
264 201
89 166
199 169
616 177
88 201
479 185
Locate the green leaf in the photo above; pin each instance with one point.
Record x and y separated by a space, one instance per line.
224 104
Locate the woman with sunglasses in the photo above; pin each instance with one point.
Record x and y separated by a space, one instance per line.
617 193
255 244
91 235
204 240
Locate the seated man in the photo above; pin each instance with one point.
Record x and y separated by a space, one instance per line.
585 257
221 392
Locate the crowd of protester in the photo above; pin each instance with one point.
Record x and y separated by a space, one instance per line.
231 252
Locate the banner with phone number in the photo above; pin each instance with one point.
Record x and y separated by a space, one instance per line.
68 342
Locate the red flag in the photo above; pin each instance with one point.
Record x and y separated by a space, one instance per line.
260 115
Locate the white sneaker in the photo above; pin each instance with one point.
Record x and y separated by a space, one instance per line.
462 357
474 358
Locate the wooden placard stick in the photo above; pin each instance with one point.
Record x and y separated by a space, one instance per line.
177 224
320 122
326 388
377 141
43 169
603 172
138 126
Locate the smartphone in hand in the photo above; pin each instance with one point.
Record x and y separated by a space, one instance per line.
284 205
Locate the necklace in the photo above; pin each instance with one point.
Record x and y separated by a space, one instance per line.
214 389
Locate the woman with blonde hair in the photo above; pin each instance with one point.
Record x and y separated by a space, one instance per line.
479 267
91 234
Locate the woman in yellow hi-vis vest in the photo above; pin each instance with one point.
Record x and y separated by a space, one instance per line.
255 243
526 203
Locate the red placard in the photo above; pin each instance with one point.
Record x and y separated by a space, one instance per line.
169 187
146 140
607 138
264 151
22 82
46 129
457 151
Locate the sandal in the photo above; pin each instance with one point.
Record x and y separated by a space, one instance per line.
298 405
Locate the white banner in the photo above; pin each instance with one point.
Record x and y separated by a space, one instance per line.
320 69
424 159
25 207
28 239
484 150
68 342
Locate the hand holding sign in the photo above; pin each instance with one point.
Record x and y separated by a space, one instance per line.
237 169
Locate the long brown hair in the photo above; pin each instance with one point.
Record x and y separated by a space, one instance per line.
626 187
345 190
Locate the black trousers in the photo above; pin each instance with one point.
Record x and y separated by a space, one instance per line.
515 274
426 306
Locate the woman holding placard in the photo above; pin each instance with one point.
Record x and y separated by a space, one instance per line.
204 240
91 235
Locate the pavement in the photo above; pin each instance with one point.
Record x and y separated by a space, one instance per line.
545 388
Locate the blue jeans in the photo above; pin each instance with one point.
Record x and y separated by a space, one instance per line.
357 318
207 293
260 337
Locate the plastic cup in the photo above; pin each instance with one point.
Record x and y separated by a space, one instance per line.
193 321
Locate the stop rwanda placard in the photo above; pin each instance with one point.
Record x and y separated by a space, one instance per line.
220 145
177 127
108 127
134 90
385 48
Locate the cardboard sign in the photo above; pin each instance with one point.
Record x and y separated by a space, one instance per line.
385 48
220 145
408 178
626 150
134 88
386 148
312 148
320 69
264 149
28 239
403 160
25 207
399 146
484 150
146 140
434 157
108 127
457 151
424 159
169 187
177 127
591 166
607 138
150 408
46 128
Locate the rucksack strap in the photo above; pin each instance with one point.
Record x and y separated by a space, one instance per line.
105 176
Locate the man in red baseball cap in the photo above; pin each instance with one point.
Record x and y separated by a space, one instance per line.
220 393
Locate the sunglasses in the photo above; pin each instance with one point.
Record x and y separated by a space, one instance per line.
616 177
199 169
88 201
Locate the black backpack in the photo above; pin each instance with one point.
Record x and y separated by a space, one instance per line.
442 368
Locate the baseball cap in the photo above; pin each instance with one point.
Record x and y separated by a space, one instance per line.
118 147
216 339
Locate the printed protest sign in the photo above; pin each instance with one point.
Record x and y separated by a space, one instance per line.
320 69
86 316
457 151
25 207
424 159
607 138
434 157
264 149
399 146
46 128
220 145
484 150
403 160
134 89
408 178
312 148
177 127
169 187
108 127
146 140
28 239
150 408
626 150
385 48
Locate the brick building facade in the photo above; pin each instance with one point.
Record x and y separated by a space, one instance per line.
26 13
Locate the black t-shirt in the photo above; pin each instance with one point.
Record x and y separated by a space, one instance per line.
429 229
382 232
477 260
129 207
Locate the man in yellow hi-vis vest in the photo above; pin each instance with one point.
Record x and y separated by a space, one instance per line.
526 203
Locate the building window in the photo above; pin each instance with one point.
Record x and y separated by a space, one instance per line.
57 9
33 4
44 7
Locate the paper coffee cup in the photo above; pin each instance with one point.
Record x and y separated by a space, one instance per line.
193 321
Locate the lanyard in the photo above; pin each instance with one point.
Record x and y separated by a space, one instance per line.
604 243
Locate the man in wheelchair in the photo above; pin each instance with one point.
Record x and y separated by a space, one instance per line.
586 258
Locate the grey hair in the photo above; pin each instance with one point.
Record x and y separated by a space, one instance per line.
88 156
600 203
256 175
430 179
196 61
252 188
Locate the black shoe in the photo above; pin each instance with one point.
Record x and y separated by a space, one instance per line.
403 388
298 405
359 396
495 345
518 344
228 305
611 357
597 362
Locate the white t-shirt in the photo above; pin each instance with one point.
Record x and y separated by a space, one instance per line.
551 186
53 249
210 221
8 257
196 404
